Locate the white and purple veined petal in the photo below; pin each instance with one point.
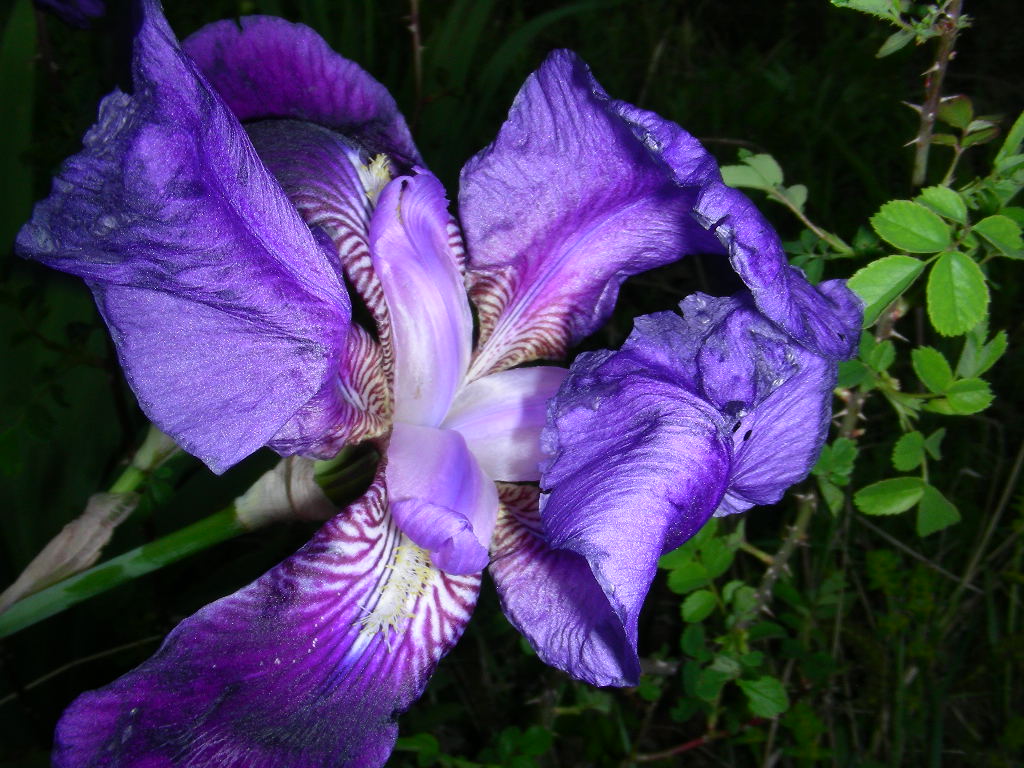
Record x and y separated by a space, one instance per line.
306 667
228 315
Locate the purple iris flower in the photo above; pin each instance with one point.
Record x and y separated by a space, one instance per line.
221 214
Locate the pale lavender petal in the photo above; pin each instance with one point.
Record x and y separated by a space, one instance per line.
417 264
501 417
307 667
265 67
637 465
441 498
563 206
228 315
552 597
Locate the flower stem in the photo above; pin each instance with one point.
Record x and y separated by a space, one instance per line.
201 535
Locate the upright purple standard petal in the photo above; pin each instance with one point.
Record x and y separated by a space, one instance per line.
265 67
637 465
307 667
562 207
578 192
228 315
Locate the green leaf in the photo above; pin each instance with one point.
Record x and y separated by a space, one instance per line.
766 696
990 354
945 140
694 640
796 194
883 9
717 557
911 227
882 281
945 202
889 497
1003 233
969 396
851 373
934 443
881 355
979 132
957 111
957 294
908 452
757 172
698 606
536 741
935 512
932 369
709 684
1014 139
832 494
896 41
687 578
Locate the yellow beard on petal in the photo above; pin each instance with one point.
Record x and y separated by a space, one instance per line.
408 575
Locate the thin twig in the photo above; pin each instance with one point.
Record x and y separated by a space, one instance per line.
697 743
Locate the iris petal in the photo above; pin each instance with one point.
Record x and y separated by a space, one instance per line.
501 417
265 67
559 210
306 667
415 248
637 465
227 314
442 499
552 597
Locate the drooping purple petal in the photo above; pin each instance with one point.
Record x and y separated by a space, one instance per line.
228 315
265 67
562 207
307 667
440 497
417 265
825 319
637 465
501 417
552 597
778 392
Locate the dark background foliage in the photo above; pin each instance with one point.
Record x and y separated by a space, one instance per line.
795 78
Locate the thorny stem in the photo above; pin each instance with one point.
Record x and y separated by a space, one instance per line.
948 24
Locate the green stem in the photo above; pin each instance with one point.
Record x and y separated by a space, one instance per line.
837 243
201 535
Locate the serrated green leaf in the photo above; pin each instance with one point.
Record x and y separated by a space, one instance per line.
983 136
851 373
832 494
935 512
709 684
969 396
687 578
743 177
880 282
933 444
932 368
889 497
911 227
766 696
945 139
1013 141
957 294
896 41
766 166
957 111
881 8
693 642
881 355
945 202
698 605
908 452
797 195
727 665
1003 233
717 557
990 354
